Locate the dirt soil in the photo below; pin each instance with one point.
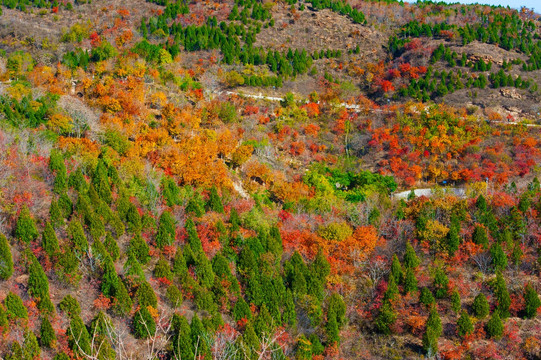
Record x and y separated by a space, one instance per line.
323 29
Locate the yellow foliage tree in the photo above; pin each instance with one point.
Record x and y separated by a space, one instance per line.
60 124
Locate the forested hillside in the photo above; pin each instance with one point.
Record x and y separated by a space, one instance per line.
222 179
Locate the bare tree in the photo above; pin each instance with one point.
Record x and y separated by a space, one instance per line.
94 352
483 261
224 344
376 269
158 341
269 345
155 343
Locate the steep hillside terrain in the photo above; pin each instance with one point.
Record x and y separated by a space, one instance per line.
234 179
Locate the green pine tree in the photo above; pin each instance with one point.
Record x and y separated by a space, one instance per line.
480 306
47 337
78 237
70 306
494 326
78 337
289 315
38 284
337 307
426 297
146 296
203 270
453 240
531 302
193 237
6 260
396 269
56 160
144 325
392 289
123 303
30 348
332 328
263 323
65 205
455 301
241 310
133 219
4 322
61 180
111 246
234 220
434 321
516 254
109 280
199 336
49 241
26 229
196 205
441 284
410 258
180 268
166 230
304 348
174 296
386 318
163 269
215 202
140 249
480 236
410 281
430 341
502 296
16 353
250 341
464 324
15 308
55 214
181 341
499 258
